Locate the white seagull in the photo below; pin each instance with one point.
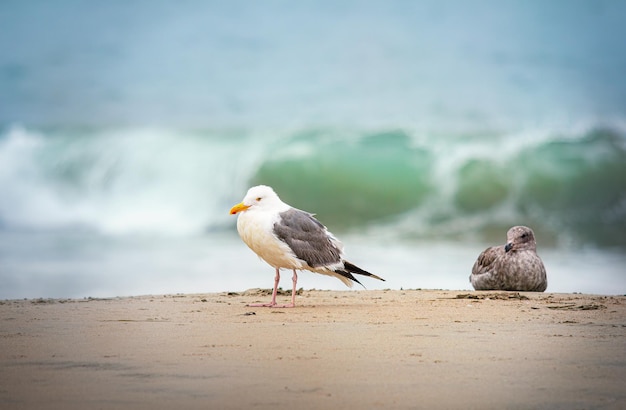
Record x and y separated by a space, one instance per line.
289 238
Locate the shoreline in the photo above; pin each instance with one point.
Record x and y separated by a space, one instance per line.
355 349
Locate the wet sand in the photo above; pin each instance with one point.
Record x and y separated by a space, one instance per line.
367 349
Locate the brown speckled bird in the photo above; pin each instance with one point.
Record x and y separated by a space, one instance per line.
514 266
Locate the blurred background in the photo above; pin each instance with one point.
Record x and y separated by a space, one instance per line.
417 131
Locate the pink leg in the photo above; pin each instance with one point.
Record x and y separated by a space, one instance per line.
273 302
294 279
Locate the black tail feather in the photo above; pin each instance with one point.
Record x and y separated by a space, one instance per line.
348 275
355 269
349 269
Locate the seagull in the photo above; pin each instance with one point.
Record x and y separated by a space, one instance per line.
514 266
288 238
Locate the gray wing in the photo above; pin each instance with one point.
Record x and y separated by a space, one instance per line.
307 238
485 260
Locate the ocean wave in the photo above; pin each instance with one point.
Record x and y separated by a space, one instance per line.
118 181
570 186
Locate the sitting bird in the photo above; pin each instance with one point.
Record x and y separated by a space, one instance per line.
286 237
514 266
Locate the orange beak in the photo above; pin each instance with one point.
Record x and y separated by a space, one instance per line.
238 208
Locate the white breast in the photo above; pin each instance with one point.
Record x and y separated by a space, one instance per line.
256 230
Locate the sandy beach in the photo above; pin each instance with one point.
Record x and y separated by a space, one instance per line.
354 349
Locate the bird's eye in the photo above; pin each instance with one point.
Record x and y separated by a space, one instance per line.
258 199
524 235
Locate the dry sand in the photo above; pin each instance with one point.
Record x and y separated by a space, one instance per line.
365 349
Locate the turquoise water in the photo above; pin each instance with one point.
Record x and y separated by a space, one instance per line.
570 187
418 132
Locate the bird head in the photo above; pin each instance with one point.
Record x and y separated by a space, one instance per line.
520 238
259 197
